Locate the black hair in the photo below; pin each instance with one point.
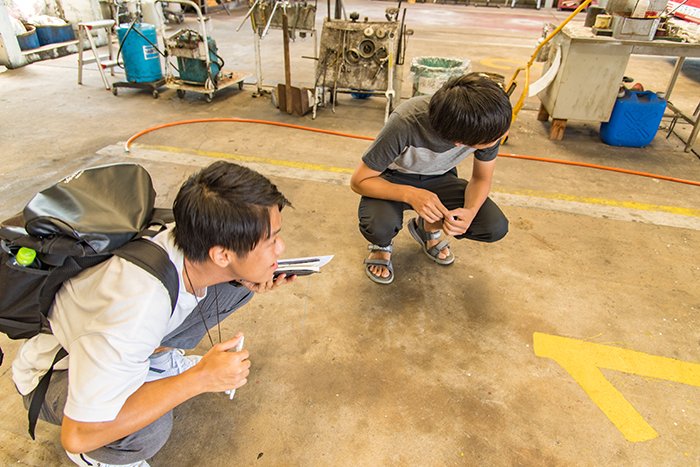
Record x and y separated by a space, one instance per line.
470 109
224 205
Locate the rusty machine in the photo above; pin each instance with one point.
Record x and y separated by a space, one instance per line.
362 58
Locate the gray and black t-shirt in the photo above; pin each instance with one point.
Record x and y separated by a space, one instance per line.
408 144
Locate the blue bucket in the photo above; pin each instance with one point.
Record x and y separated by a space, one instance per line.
141 57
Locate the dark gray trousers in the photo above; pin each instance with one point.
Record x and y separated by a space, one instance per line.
221 300
381 220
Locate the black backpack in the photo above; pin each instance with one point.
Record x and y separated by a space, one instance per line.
75 224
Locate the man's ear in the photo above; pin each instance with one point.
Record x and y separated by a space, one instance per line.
220 256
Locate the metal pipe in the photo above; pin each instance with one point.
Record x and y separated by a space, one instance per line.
390 93
269 22
287 65
247 15
676 71
258 63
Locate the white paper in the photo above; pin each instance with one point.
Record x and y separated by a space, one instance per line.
547 78
313 263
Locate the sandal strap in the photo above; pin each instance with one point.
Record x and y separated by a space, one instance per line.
434 251
420 227
373 247
377 278
379 262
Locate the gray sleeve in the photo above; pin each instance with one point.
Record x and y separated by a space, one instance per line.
389 144
488 154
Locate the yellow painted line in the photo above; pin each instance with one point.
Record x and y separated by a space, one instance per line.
343 170
609 202
583 360
246 158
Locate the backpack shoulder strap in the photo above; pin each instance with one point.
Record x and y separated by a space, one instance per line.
162 216
40 393
153 259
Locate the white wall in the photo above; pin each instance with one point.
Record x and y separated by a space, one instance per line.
10 55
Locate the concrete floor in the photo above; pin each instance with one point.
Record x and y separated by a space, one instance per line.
440 367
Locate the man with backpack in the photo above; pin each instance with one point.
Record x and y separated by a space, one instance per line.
125 372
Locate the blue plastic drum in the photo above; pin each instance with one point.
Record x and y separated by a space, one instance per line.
139 52
634 120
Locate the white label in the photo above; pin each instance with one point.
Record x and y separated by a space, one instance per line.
149 52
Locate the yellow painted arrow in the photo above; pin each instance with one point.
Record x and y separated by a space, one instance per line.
583 360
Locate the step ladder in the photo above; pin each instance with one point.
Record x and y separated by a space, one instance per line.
103 61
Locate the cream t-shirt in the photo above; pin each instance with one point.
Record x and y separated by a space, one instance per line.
109 318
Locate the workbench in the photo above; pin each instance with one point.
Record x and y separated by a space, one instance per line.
591 70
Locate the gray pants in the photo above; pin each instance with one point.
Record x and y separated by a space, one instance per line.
381 220
221 300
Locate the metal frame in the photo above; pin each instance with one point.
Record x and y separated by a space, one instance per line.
260 33
208 85
694 120
87 27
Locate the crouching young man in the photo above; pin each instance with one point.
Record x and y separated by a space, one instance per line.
412 165
125 372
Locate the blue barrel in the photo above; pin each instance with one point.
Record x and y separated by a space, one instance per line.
634 120
141 58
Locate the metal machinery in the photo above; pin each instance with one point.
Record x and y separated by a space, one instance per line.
266 14
126 11
199 66
362 57
301 16
173 13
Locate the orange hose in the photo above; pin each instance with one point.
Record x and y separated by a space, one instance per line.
241 120
369 138
600 167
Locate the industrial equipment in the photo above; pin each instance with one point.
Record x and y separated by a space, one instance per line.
189 48
362 57
128 11
268 14
200 67
301 16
